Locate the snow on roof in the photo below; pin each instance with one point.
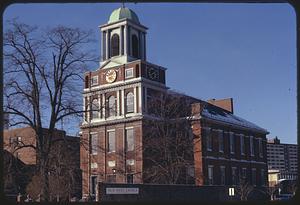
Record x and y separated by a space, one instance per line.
213 112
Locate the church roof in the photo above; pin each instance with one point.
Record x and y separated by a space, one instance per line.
123 13
216 113
219 114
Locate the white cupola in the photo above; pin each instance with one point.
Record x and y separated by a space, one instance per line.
123 38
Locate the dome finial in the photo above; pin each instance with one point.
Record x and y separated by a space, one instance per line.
123 4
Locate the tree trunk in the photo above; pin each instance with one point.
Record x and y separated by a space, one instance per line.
44 180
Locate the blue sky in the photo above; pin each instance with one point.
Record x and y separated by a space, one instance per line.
243 51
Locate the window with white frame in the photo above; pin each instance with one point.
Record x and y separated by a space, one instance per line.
251 146
129 102
94 143
94 80
208 139
210 175
242 141
221 141
234 175
128 73
95 109
260 147
222 175
112 106
129 135
111 141
232 142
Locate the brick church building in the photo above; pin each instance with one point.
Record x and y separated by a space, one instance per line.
116 98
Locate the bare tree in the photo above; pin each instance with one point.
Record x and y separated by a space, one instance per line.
42 82
243 189
64 173
168 140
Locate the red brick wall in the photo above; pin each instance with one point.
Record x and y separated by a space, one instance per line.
119 156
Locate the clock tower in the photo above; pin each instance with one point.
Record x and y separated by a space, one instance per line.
116 97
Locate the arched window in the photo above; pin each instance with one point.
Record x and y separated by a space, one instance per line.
135 46
115 45
95 109
111 106
129 102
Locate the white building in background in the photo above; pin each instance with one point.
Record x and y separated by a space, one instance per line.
283 158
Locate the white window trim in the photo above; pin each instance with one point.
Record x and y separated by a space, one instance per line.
233 170
212 167
94 165
127 69
92 79
112 162
127 128
130 128
94 133
130 164
111 130
223 167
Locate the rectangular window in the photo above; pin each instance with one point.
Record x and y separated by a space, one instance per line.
210 175
129 178
208 139
253 176
221 141
260 147
94 144
128 73
111 141
94 80
129 140
232 143
262 177
244 173
242 144
93 185
234 175
223 175
251 146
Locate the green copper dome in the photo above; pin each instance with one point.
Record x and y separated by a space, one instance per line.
123 13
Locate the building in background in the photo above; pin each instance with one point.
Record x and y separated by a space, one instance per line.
21 158
282 160
117 98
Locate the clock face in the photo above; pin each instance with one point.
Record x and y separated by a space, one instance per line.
111 76
153 73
